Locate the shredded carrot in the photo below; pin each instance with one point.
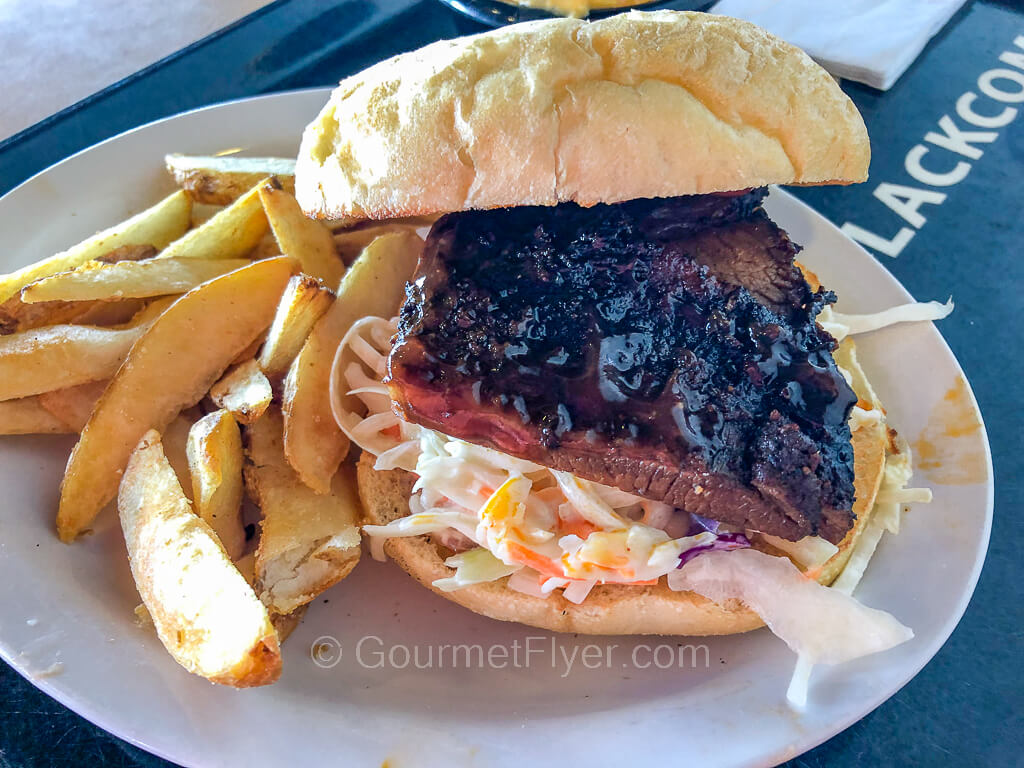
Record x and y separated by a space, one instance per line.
394 431
813 573
539 563
580 527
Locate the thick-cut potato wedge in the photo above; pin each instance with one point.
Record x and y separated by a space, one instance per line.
61 356
156 226
374 285
124 312
266 248
244 391
231 234
73 405
246 565
249 352
286 623
27 416
171 367
308 541
16 316
202 213
307 241
129 279
215 464
175 443
222 180
303 303
150 311
128 253
350 243
204 612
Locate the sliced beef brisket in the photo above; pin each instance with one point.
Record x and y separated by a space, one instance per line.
666 347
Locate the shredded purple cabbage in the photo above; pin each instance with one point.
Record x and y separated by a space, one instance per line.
699 524
724 543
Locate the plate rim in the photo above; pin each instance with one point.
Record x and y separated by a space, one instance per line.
89 710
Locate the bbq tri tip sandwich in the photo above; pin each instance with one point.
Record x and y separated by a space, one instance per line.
611 401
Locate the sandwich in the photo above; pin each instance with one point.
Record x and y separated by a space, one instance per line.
612 401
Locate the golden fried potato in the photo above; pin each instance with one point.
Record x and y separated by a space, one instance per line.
222 180
61 356
73 405
215 464
204 612
175 442
244 391
171 367
156 226
349 243
303 303
374 285
308 541
307 241
16 316
27 416
266 248
128 279
150 311
230 234
286 623
202 213
127 253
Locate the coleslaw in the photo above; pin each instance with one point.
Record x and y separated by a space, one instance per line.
548 530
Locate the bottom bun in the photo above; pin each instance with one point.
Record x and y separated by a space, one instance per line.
609 609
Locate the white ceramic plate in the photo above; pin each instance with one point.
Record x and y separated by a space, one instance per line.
72 606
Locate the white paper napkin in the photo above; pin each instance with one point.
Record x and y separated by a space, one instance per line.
871 41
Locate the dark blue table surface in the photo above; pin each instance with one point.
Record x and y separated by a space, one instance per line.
965 707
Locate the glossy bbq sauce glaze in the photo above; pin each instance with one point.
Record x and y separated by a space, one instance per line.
667 347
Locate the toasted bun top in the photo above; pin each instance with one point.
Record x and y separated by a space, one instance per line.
635 105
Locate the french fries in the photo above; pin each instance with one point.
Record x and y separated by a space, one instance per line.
128 279
307 241
308 541
215 464
169 368
244 391
175 443
374 285
156 226
61 356
286 623
123 337
230 234
73 405
304 301
27 416
222 180
266 248
205 613
128 253
16 316
349 243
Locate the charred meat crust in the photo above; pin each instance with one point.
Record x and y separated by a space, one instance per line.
667 347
